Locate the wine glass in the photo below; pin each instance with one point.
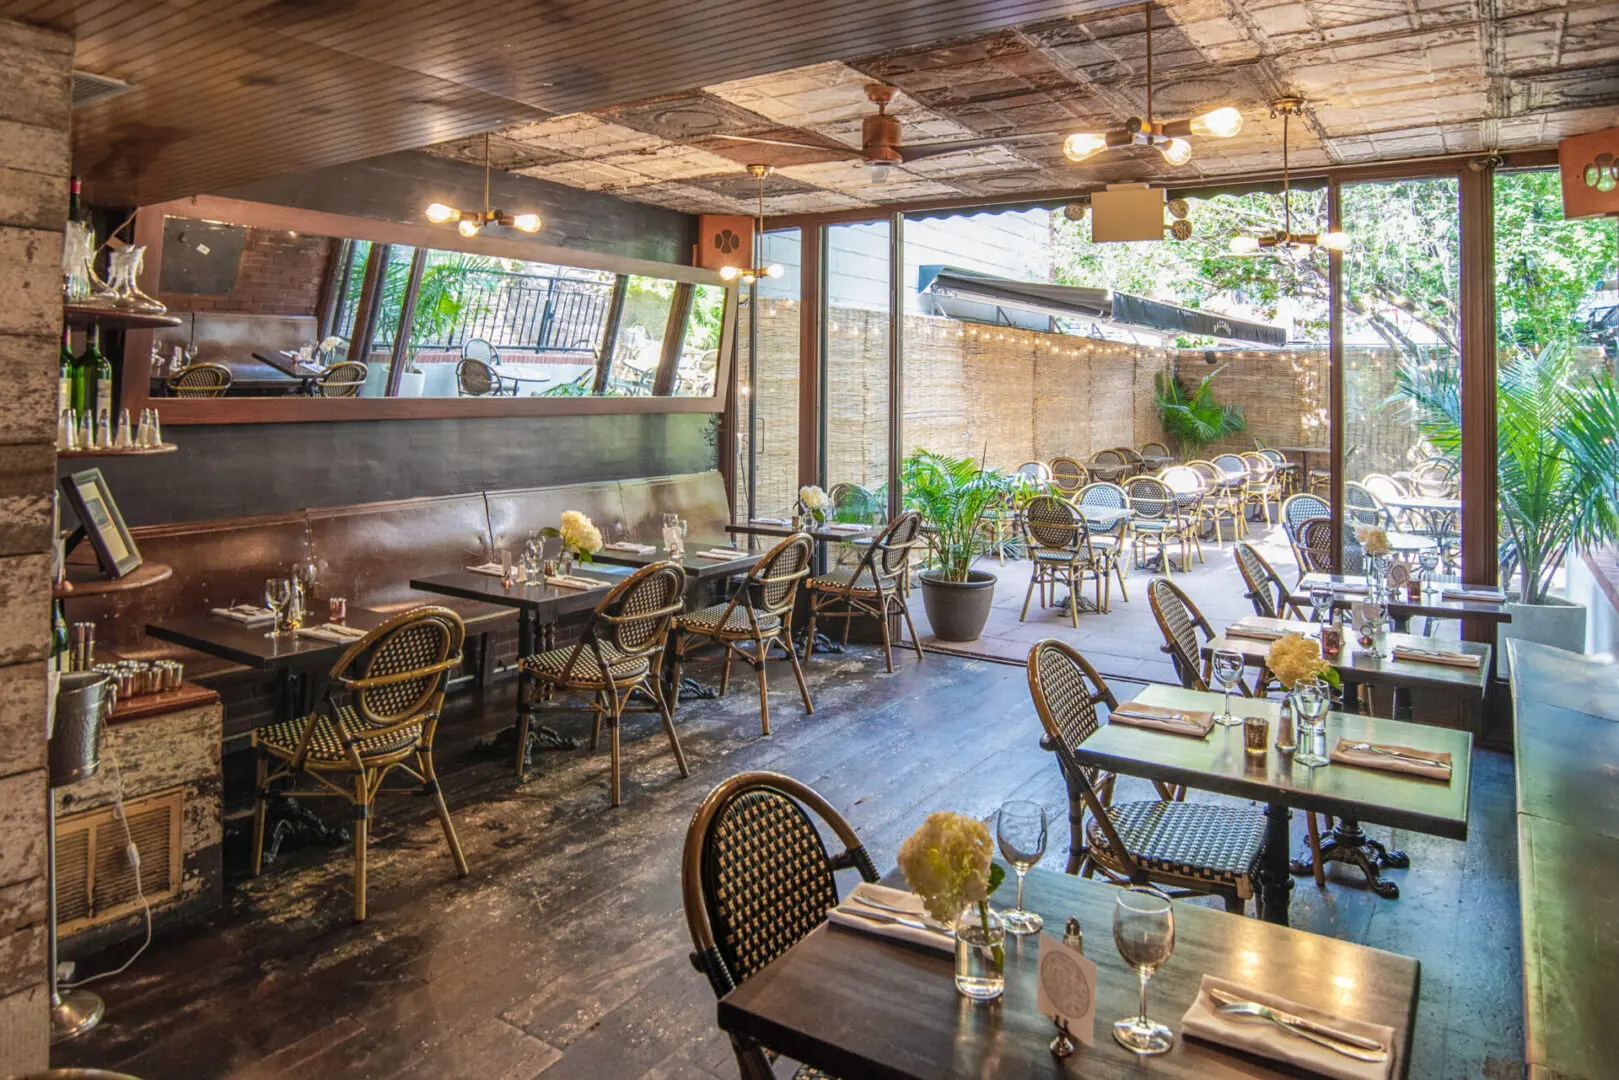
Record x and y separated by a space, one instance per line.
1320 603
1310 703
1226 666
1144 932
1427 563
277 595
1021 829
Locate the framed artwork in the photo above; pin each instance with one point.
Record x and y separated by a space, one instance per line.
103 525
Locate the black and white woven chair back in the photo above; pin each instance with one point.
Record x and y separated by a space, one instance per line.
893 548
1232 465
1067 475
405 659
1066 691
1178 621
1033 474
643 606
1181 479
201 381
1301 508
776 576
1053 523
1275 457
1259 466
1104 496
851 501
1361 507
1212 477
1315 544
475 377
1151 499
342 379
1262 582
1154 449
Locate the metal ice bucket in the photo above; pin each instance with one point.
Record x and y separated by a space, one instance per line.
82 705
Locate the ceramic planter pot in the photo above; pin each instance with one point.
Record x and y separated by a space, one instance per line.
958 610
1558 622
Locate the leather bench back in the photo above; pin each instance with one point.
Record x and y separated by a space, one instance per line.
368 553
514 514
697 497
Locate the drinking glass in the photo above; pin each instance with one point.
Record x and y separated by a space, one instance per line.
1227 665
277 595
1310 703
1144 932
1320 603
1427 563
1021 829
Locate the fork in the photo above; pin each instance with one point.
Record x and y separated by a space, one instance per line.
1413 758
1256 1011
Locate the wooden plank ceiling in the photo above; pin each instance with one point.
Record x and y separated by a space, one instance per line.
230 91
1386 80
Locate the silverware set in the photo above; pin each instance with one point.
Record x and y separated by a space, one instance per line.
1415 759
1342 1042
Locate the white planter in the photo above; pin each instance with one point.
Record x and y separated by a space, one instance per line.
1557 622
411 383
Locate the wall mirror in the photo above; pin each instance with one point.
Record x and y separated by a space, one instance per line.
287 315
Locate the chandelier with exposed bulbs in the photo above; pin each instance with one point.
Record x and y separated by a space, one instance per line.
470 223
750 274
1168 138
1287 239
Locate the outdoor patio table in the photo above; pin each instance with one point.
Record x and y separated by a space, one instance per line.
1433 604
853 1004
1218 763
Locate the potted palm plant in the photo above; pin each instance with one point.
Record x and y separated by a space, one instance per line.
952 495
1555 431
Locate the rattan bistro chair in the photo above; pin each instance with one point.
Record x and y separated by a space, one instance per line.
1203 848
1188 487
619 652
1264 485
200 381
755 878
342 379
1059 546
1315 549
1137 464
871 587
1179 621
1219 501
1295 512
1109 465
1115 538
380 713
760 612
1155 455
1270 597
1034 476
1159 522
474 378
1067 475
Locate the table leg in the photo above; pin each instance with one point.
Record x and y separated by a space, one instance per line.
531 638
1275 882
287 819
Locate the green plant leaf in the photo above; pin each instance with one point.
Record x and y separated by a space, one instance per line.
997 874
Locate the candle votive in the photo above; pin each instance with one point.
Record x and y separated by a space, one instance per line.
338 609
1256 734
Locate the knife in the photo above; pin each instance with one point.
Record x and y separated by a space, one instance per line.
1359 1041
872 916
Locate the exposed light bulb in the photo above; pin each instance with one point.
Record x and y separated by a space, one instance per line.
1084 144
1333 241
1218 124
775 270
529 223
1176 151
881 171
748 279
469 227
728 273
1244 245
438 213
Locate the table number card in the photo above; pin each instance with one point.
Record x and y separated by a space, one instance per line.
1399 575
1067 989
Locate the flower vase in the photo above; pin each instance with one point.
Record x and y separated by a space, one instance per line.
565 564
980 953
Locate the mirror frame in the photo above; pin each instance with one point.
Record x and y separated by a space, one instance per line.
137 355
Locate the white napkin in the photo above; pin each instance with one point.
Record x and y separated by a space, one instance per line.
337 635
936 937
1250 627
1265 1039
574 582
246 614
770 521
626 545
846 526
721 553
490 569
1437 656
1475 592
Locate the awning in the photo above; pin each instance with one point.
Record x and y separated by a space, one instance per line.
966 294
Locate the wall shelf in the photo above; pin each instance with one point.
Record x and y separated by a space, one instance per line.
80 316
140 451
85 579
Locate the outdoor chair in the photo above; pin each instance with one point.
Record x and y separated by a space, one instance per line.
1155 455
1136 463
1158 522
480 349
1115 538
1035 475
619 652
1219 500
1315 547
342 379
1191 848
1270 597
1286 471
755 878
870 588
1060 551
760 612
474 378
1435 478
1109 465
1067 475
1179 622
1383 487
852 502
1263 487
379 714
1295 512
200 381
1188 487
1234 478
1362 508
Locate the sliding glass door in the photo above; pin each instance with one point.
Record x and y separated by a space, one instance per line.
856 327
767 385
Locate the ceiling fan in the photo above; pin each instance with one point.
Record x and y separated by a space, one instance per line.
882 140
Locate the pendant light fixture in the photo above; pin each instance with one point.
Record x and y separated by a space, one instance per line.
750 274
470 223
1169 139
1300 243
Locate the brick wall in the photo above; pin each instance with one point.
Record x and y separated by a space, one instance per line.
33 203
279 273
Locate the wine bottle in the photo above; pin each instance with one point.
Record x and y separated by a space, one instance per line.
64 385
92 377
75 204
59 659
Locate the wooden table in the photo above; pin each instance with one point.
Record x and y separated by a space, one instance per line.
856 1005
1433 605
304 374
1219 764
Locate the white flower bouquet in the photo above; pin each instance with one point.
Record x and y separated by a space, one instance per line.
578 534
1373 540
1293 658
814 501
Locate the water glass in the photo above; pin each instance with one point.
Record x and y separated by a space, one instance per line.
278 598
1227 665
1255 735
1144 933
1320 603
1310 703
1020 827
338 609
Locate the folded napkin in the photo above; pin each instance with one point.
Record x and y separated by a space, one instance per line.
1479 593
490 569
1250 628
571 582
1437 656
722 553
625 545
1194 722
337 635
876 915
1264 1039
846 526
1433 764
1343 588
770 521
246 614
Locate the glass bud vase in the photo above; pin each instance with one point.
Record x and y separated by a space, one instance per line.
980 953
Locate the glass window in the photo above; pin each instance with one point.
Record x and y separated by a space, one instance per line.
856 332
768 389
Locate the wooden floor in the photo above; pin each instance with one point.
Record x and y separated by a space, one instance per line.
564 954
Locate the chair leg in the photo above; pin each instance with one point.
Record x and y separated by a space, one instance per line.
362 828
602 710
1235 904
798 672
809 631
1034 576
1075 583
725 671
1317 871
1118 572
613 742
910 627
681 640
669 727
764 689
888 648
260 796
525 695
424 765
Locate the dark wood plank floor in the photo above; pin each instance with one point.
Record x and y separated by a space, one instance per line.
564 953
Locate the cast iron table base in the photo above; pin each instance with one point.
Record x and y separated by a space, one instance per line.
1349 845
288 819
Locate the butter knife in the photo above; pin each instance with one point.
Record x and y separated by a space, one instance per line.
1285 1017
1179 718
1414 759
897 920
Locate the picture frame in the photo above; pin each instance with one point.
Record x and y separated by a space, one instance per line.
101 522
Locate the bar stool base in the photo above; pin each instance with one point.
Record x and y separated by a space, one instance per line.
75 1013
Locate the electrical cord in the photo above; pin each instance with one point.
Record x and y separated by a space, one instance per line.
133 854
